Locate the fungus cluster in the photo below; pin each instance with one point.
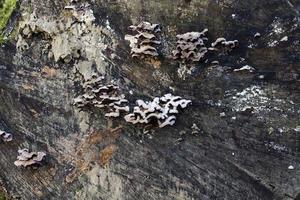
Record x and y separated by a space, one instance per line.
191 47
6 137
160 111
102 96
27 158
144 40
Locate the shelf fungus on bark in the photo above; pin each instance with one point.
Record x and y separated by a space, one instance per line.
6 137
161 111
145 39
222 43
96 94
27 158
191 47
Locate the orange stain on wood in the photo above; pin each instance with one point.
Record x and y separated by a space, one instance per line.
106 155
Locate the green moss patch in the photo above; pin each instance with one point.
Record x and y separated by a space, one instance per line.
2 196
6 9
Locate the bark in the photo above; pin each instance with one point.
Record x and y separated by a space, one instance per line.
249 122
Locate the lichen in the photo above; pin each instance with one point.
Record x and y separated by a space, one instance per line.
6 9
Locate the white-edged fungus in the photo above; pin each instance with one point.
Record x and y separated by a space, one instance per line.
27 158
145 39
160 111
284 39
190 47
257 35
96 94
222 114
245 68
6 137
222 42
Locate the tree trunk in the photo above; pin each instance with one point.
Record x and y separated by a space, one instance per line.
246 145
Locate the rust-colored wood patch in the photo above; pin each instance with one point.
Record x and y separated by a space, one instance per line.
106 155
88 152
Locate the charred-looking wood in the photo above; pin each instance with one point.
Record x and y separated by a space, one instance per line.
27 158
144 40
97 94
6 137
161 111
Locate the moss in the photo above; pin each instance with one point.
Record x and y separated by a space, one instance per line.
6 9
2 196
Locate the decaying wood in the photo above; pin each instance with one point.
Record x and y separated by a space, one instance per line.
237 140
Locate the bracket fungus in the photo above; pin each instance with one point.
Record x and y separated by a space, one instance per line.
27 158
161 111
6 137
190 47
145 39
222 43
102 96
245 68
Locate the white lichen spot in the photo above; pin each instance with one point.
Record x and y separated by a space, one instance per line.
276 147
276 27
250 46
108 25
297 129
291 167
184 71
261 76
284 39
272 43
257 35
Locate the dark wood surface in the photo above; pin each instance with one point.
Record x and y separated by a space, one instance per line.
242 155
